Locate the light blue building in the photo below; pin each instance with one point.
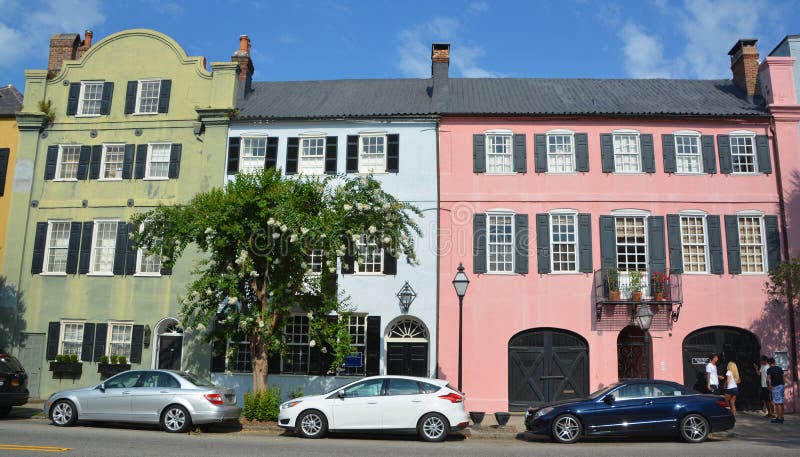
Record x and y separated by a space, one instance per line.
790 47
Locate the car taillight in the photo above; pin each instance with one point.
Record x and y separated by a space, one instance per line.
723 404
453 397
215 399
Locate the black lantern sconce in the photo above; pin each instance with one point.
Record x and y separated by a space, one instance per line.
406 295
147 335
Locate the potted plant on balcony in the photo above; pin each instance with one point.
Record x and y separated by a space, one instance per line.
636 285
110 366
66 364
612 279
660 285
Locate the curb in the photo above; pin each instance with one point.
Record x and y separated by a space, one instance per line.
492 433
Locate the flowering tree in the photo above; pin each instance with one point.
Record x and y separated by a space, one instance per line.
257 235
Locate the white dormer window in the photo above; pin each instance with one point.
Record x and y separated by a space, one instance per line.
627 152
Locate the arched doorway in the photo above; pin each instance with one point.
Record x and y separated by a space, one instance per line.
546 365
634 354
407 348
168 347
730 343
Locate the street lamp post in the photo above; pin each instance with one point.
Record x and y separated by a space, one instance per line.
460 283
643 319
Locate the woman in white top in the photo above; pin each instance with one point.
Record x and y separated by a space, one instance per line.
732 385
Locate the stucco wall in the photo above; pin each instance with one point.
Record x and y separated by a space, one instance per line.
9 136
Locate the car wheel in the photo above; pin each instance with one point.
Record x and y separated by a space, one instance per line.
4 410
567 429
63 413
694 428
312 424
433 427
175 419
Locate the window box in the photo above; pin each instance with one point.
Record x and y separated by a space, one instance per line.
73 369
110 369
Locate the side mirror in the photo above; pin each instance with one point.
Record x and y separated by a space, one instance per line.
340 393
609 399
102 387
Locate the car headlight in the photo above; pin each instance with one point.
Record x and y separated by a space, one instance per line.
543 411
289 404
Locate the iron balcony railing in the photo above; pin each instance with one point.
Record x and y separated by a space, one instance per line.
668 290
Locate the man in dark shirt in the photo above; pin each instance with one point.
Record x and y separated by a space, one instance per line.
776 378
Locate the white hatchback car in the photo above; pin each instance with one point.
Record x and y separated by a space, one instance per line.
396 404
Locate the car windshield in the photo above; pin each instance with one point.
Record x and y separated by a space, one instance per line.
602 391
197 380
9 364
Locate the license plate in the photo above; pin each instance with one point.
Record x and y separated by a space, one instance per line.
230 398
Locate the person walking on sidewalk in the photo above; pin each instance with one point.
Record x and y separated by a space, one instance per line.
776 378
732 381
764 392
712 377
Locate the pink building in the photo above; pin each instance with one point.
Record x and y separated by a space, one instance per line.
553 193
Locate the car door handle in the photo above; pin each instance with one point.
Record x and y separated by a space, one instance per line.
647 403
164 391
416 401
372 403
126 393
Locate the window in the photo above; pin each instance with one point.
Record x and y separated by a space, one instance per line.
743 154
370 255
160 379
751 244
357 328
560 153
68 158
501 242
693 242
399 386
295 336
627 158
563 242
124 380
368 388
631 244
158 160
119 339
90 97
57 246
113 157
499 154
372 156
105 239
147 96
315 261
71 338
253 155
687 154
242 361
312 156
148 263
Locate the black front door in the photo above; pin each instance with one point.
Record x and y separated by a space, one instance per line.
545 366
169 352
633 354
407 359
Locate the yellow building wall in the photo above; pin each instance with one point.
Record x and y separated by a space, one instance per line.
9 137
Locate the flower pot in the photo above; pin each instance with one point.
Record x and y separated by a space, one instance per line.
502 418
477 418
659 296
613 295
636 296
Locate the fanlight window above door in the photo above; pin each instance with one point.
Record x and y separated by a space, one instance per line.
406 329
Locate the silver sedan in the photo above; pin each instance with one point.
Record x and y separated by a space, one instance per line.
174 399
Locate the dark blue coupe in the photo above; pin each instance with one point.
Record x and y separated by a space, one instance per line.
634 408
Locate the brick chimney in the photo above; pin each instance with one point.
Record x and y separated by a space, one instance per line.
66 46
242 57
744 65
440 69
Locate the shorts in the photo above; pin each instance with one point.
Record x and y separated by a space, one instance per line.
765 394
732 392
777 394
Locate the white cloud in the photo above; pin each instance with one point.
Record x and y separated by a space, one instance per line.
643 53
478 7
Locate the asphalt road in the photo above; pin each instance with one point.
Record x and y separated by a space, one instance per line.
18 437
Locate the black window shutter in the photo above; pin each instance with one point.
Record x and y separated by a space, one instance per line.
331 151
53 333
373 354
83 162
657 249
648 153
51 163
582 152
137 337
292 150
105 101
479 243
521 244
393 153
233 155
540 152
715 244
479 153
389 263
773 242
675 245
762 151
607 154
585 243
732 244
130 97
348 264
130 252
668 149
4 154
273 363
163 96
175 160
543 243
166 271
351 162
72 100
271 158
38 248
127 162
86 248
724 146
94 164
608 242
87 347
120 249
74 247
140 166
709 155
520 154
100 334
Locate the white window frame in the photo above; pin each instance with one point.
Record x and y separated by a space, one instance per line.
499 133
303 166
624 277
565 133
764 254
696 136
147 172
359 323
615 137
576 243
139 94
61 331
706 247
45 264
500 213
367 169
109 335
140 255
231 364
60 162
102 176
744 134
301 344
244 159
81 97
361 242
93 257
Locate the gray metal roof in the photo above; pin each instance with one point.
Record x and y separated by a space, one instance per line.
10 100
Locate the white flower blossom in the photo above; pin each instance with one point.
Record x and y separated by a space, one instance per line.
310 315
260 324
201 326
387 239
356 237
312 343
348 207
243 254
177 242
372 229
209 231
212 262
332 270
232 300
323 236
324 350
339 252
276 236
386 206
254 274
390 224
270 222
303 230
363 181
209 291
293 238
284 228
404 237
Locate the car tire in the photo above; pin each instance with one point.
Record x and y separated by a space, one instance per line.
694 428
63 413
311 424
433 427
566 429
175 419
4 410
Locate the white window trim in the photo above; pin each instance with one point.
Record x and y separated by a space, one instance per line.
634 213
502 212
250 136
147 176
564 212
109 334
744 134
62 327
636 133
59 163
695 134
751 213
94 249
764 254
300 154
139 254
630 212
499 132
137 111
79 112
704 215
358 256
686 133
361 137
103 162
560 132
312 134
45 272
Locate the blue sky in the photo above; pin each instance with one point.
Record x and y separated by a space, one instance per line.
330 39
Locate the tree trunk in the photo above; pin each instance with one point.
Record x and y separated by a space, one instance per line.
260 358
